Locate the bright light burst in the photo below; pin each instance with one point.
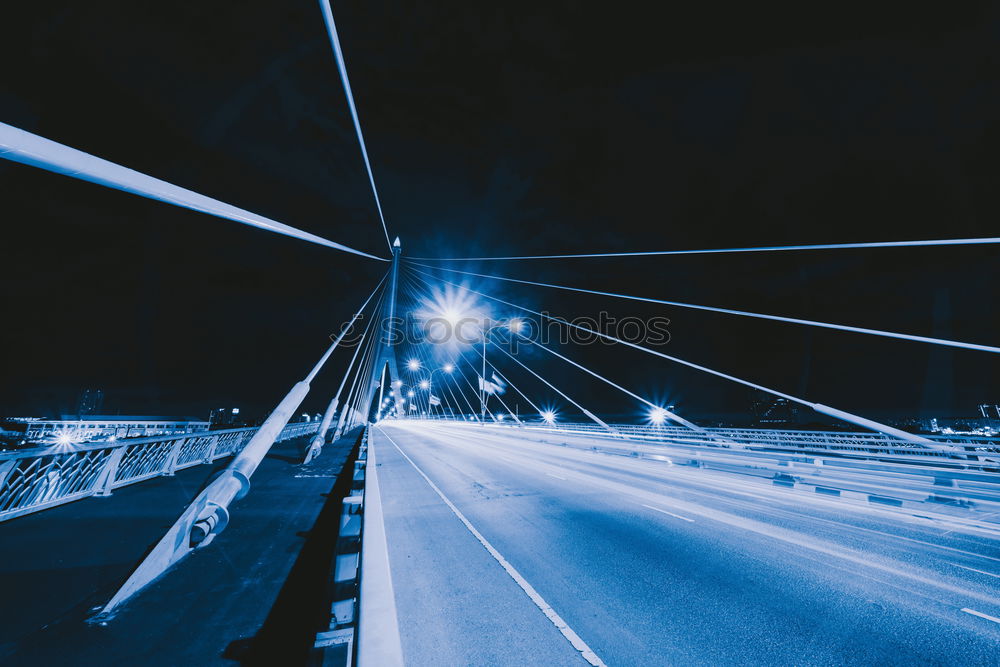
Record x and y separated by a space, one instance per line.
413 364
452 317
656 416
549 416
425 384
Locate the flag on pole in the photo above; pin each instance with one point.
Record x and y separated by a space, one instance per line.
491 387
435 400
499 382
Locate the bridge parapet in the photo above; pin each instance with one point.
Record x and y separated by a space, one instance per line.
35 479
957 449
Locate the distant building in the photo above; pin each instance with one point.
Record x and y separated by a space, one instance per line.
105 427
225 418
775 412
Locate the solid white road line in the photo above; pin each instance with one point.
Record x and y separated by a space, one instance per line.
676 516
981 615
549 612
972 569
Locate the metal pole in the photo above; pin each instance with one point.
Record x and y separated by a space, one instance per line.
208 513
482 382
316 446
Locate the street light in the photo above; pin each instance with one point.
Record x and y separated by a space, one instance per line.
514 325
413 364
448 368
549 417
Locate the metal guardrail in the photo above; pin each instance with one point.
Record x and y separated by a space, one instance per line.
35 479
952 447
363 612
953 486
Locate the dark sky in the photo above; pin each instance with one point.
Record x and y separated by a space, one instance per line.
505 128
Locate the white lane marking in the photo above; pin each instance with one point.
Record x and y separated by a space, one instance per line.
549 612
676 516
981 615
990 574
556 476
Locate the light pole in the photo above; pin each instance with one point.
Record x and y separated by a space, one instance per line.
447 368
514 326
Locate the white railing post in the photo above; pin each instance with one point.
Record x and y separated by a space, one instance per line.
106 481
6 468
170 465
210 452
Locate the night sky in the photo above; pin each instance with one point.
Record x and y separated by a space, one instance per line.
505 128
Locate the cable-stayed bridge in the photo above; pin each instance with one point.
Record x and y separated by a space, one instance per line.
458 504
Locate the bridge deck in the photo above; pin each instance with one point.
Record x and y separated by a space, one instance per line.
651 563
257 591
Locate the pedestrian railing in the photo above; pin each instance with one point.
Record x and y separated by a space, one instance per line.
960 450
952 447
39 478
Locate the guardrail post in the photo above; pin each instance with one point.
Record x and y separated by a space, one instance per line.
210 452
106 481
6 468
170 466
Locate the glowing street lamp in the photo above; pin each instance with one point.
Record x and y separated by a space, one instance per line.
425 384
657 416
413 364
549 417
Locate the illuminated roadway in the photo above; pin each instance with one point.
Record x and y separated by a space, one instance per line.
640 562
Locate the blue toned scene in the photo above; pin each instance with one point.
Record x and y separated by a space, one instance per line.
372 334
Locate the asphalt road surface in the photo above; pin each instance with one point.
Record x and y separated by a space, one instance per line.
509 551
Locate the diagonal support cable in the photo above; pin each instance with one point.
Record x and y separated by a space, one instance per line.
818 407
30 149
208 513
597 420
675 417
741 313
342 68
716 251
